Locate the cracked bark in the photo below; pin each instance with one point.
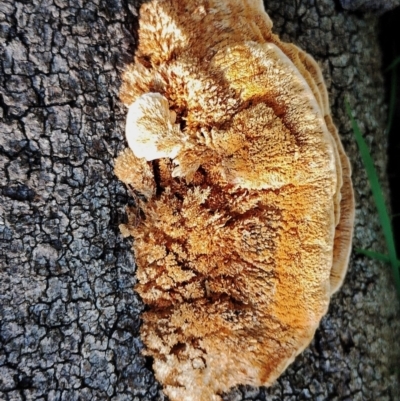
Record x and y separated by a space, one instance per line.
70 318
376 6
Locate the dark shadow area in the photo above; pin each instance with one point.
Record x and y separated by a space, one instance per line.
389 38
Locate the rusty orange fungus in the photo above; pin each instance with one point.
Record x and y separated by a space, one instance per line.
244 204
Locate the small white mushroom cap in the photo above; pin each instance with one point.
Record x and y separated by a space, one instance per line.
151 131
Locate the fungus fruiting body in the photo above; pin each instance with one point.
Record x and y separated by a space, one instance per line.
243 223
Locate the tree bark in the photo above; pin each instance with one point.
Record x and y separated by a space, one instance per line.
375 6
69 315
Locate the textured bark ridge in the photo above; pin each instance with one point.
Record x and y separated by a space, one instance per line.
69 318
375 6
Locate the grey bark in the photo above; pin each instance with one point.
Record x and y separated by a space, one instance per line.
372 6
70 318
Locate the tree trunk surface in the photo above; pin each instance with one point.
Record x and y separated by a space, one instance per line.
70 317
375 6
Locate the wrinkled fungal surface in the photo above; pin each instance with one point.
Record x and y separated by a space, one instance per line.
244 205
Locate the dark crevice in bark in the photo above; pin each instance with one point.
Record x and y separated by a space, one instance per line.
338 6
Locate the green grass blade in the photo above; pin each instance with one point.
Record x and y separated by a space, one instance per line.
376 255
378 196
393 64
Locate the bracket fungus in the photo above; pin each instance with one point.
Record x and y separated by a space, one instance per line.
244 205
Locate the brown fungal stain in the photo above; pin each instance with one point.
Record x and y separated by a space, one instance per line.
248 210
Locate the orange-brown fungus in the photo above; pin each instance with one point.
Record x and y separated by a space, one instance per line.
244 214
